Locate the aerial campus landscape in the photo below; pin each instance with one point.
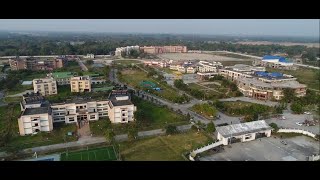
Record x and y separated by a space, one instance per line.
155 96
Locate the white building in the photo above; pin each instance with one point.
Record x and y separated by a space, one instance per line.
90 56
45 86
239 71
34 120
205 66
33 100
79 110
127 50
243 132
121 109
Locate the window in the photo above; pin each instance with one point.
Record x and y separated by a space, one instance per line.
92 116
71 119
123 119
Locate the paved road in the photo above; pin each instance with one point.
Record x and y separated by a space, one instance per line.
291 119
247 99
82 66
20 94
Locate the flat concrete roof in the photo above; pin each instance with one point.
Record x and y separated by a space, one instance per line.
243 128
282 84
39 110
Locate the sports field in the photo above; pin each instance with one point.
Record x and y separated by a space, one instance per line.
97 154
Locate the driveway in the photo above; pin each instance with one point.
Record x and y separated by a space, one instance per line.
268 149
20 94
247 99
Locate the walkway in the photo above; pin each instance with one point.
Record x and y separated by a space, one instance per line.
20 94
247 99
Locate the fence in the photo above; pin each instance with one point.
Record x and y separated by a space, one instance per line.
301 131
205 148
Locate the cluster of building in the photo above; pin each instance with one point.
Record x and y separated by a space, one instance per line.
277 62
152 49
255 82
38 115
31 63
127 50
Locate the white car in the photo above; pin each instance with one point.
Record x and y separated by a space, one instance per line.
299 123
283 117
307 113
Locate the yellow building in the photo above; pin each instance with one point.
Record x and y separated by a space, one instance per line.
80 84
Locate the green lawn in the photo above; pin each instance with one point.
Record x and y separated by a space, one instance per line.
230 55
126 62
168 70
98 128
97 154
209 94
206 110
34 76
304 75
240 108
162 148
156 117
12 99
135 77
20 88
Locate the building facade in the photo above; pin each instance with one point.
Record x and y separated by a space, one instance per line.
80 84
204 66
31 63
45 86
34 120
121 109
164 49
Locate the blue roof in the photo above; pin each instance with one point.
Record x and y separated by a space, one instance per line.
271 57
268 75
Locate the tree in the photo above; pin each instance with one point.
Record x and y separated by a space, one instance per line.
210 127
274 126
89 62
171 129
109 135
80 73
288 95
296 108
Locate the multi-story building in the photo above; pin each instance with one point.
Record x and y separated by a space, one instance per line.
269 89
32 63
62 78
45 86
239 71
33 100
163 49
34 120
205 66
127 50
121 109
79 111
80 84
191 69
17 64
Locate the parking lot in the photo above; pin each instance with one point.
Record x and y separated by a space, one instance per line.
291 120
268 149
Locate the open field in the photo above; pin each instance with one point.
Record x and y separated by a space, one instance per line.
279 43
126 62
232 63
206 110
163 148
135 77
198 56
304 75
97 154
240 108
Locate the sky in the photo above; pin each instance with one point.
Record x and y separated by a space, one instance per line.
274 27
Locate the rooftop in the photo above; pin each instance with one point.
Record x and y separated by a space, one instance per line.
281 84
243 128
114 96
32 111
62 75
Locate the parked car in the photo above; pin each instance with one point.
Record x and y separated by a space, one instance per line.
283 142
299 123
283 118
307 113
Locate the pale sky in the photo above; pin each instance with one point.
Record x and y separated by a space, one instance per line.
277 27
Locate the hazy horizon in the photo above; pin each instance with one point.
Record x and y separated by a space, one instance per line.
246 27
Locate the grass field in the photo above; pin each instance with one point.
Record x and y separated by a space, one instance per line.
206 110
239 108
135 77
231 63
163 148
97 154
126 62
20 88
304 75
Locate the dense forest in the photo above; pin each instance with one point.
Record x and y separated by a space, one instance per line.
12 44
